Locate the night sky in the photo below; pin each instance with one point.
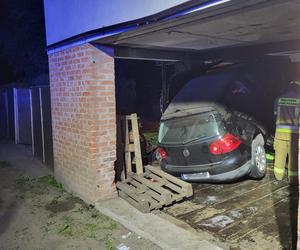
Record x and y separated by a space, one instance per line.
23 56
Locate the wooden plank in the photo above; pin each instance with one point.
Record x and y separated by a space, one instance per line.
169 177
201 190
166 193
187 187
235 216
259 221
138 185
242 225
157 197
131 138
226 200
130 190
157 179
144 198
127 154
225 192
252 195
150 184
121 167
148 191
137 146
142 206
281 227
129 148
140 189
162 182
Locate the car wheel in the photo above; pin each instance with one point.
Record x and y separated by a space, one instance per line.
259 161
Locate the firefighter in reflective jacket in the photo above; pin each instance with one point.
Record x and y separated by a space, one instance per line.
287 133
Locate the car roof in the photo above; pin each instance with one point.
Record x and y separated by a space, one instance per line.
176 110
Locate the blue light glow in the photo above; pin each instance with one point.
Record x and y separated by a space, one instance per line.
119 30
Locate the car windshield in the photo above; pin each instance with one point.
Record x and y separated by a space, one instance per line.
190 128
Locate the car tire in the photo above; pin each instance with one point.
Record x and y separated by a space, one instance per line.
258 158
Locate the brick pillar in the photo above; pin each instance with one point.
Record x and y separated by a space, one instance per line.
84 120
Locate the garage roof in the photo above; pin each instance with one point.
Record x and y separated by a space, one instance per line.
233 23
208 28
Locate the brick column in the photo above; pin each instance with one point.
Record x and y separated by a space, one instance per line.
84 120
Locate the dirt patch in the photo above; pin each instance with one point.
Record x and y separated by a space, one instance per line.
37 213
65 215
56 206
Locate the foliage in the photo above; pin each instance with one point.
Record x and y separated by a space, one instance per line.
151 138
109 245
49 180
4 164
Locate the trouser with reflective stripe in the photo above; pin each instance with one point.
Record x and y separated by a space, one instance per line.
286 149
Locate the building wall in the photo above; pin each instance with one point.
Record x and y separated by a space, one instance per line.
78 16
84 120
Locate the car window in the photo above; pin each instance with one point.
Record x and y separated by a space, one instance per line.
190 128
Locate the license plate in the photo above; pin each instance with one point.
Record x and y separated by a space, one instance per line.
195 176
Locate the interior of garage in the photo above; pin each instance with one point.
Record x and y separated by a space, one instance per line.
260 42
244 212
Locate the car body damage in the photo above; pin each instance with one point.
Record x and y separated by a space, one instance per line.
206 141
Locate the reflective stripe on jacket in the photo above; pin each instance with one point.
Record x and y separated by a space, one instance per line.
287 119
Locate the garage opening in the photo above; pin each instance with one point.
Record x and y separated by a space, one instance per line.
245 213
248 214
242 55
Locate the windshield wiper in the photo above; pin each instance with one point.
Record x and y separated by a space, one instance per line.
196 139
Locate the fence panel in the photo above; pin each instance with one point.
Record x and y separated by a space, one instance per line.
4 126
22 116
37 142
41 124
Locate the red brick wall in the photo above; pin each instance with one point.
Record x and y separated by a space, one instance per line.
84 120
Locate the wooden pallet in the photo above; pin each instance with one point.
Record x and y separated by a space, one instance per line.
153 189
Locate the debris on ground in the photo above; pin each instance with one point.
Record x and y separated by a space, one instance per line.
126 236
123 247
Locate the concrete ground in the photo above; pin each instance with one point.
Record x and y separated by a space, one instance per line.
37 213
163 230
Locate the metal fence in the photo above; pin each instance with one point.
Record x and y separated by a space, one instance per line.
42 146
22 116
25 118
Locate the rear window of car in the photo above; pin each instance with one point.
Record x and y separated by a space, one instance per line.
190 128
